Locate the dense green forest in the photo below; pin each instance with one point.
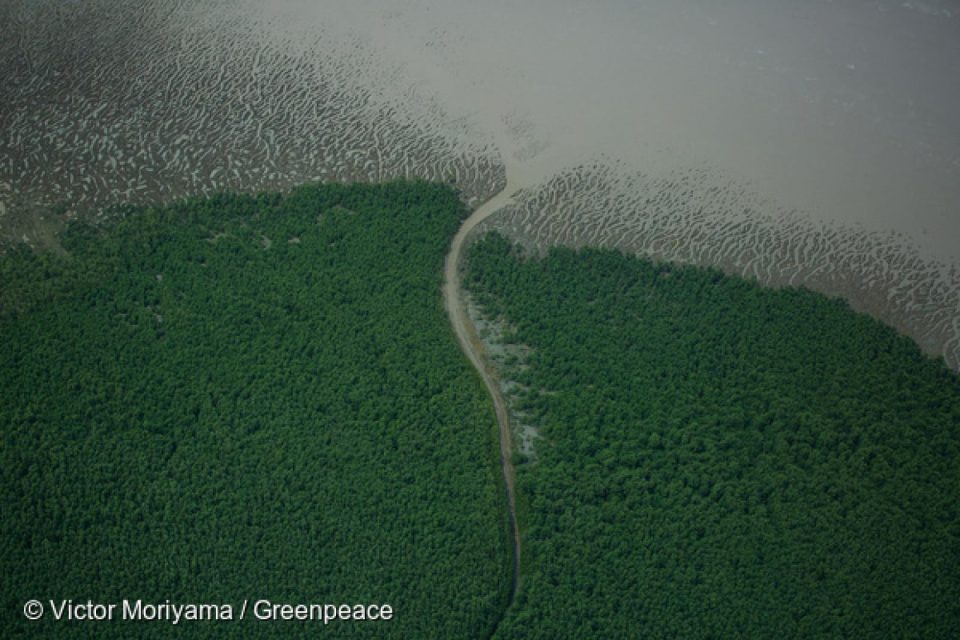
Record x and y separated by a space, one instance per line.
249 397
259 397
718 460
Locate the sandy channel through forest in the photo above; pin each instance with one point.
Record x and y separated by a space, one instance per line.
472 347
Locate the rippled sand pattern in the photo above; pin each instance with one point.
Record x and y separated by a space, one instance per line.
824 106
695 216
108 102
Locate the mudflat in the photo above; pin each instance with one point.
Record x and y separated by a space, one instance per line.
807 144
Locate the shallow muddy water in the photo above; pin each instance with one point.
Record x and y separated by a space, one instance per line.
814 142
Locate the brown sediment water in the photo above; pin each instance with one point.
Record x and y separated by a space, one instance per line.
797 143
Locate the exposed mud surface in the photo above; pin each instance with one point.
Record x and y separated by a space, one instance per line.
106 103
693 216
812 143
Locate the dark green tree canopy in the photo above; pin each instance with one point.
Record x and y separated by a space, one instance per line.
719 460
249 397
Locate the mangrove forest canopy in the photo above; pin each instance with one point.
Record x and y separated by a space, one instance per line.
719 460
249 397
